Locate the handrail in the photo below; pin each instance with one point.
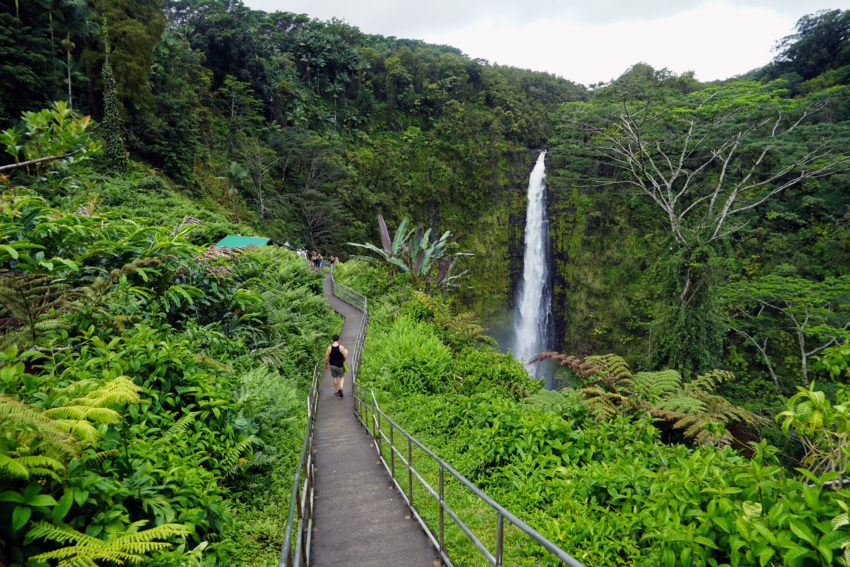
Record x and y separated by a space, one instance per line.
373 417
302 501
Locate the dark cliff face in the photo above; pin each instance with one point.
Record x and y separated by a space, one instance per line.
564 238
496 238
595 256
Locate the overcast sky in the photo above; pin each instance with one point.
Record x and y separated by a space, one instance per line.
586 41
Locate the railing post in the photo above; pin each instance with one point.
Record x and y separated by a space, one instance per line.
378 437
442 507
392 452
373 409
499 537
410 471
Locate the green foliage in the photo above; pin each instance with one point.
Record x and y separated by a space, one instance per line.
114 151
429 263
131 545
54 135
609 390
30 306
773 310
128 317
836 360
818 45
408 356
823 428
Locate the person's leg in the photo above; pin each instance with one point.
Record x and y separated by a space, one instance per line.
341 382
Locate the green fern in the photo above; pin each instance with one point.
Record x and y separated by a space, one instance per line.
681 403
30 465
610 389
31 305
234 459
181 424
18 419
659 383
550 400
118 391
610 364
710 380
37 440
121 546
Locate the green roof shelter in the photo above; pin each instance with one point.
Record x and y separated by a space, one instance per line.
236 240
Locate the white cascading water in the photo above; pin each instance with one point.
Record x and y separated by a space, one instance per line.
533 307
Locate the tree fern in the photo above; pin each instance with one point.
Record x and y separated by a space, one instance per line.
709 381
610 364
610 389
659 383
681 403
121 546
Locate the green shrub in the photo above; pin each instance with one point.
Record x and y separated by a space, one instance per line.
407 357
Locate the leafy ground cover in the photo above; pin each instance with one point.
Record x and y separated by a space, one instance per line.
604 488
151 389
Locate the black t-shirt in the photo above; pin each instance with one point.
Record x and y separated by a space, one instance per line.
336 358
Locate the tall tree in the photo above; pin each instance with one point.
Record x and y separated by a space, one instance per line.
708 160
821 43
27 77
135 27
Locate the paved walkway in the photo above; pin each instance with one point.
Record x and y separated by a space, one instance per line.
360 520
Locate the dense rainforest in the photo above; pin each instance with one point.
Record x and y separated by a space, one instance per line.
152 385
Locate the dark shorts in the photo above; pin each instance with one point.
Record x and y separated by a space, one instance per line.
336 371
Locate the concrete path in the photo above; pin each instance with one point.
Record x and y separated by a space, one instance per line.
360 520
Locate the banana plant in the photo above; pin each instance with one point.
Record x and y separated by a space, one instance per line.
428 260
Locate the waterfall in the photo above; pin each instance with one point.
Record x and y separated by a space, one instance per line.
532 315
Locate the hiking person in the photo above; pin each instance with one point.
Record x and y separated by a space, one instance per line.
335 355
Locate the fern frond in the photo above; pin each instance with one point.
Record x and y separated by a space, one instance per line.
181 424
14 414
682 404
101 456
611 364
35 463
573 362
709 381
34 304
79 428
602 404
244 446
119 391
128 544
659 382
13 468
98 415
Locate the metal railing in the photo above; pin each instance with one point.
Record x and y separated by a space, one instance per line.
297 553
370 416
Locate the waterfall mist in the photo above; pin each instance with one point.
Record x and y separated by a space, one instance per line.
533 312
